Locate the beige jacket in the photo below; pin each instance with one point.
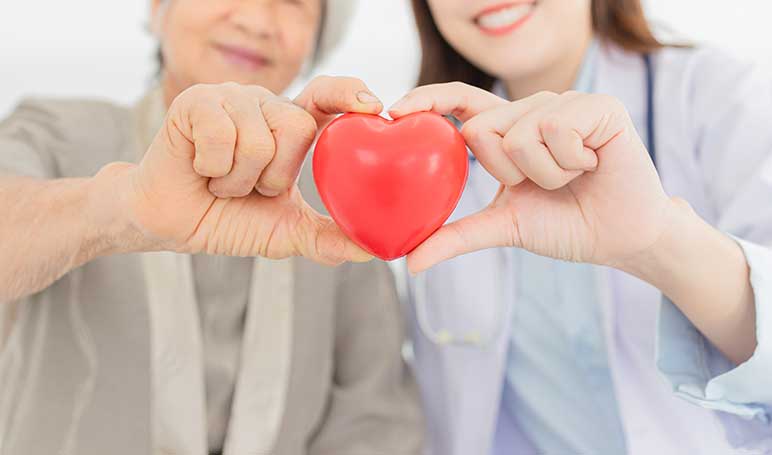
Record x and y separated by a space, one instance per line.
108 359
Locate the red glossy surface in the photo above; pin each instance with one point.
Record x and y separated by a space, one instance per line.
390 184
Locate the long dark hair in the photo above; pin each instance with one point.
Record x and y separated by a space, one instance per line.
619 21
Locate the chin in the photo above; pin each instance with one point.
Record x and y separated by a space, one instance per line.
238 77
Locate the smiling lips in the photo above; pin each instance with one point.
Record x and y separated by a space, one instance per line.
503 19
244 58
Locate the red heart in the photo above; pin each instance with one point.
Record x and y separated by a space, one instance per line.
390 184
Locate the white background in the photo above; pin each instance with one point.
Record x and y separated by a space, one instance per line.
99 48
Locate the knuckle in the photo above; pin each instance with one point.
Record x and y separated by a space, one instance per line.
240 187
352 81
230 86
201 91
230 186
457 85
514 146
223 135
514 179
608 100
211 168
320 80
546 95
303 121
551 183
277 181
300 124
550 124
472 130
193 90
259 92
189 96
262 151
410 96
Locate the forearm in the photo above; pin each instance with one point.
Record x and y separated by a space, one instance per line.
50 227
705 273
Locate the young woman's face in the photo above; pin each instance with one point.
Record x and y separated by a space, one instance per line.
514 39
262 42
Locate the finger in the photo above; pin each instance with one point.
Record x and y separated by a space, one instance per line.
254 148
492 227
454 98
294 131
566 145
523 146
214 137
599 119
325 97
484 134
325 243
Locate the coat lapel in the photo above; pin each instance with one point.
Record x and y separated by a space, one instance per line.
179 424
261 386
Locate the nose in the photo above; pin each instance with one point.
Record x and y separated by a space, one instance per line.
256 18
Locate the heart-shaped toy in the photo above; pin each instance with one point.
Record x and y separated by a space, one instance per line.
390 184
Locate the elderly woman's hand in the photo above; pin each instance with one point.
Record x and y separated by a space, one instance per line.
220 175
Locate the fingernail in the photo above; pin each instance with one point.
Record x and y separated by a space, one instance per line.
591 167
363 258
395 107
267 192
367 98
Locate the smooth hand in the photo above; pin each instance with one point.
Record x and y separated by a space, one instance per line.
577 183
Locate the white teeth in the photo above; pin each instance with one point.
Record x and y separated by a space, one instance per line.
504 17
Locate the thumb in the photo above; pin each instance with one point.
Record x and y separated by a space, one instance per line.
492 227
326 96
322 241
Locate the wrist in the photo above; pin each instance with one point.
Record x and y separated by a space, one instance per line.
110 219
686 247
660 255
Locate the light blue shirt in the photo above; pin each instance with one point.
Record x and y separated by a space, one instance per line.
558 389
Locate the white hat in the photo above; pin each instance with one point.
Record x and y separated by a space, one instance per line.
338 17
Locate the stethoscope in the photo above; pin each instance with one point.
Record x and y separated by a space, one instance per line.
474 338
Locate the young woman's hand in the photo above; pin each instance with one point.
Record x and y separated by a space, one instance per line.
220 175
576 181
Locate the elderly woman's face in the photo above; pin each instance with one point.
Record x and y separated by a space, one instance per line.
262 42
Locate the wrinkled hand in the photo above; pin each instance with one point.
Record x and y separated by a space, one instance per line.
220 175
577 183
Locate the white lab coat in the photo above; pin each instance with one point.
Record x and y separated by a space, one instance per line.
714 148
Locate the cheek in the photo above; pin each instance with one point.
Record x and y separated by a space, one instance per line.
297 40
448 14
454 21
567 17
186 28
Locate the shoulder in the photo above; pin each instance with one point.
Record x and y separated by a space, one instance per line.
72 117
705 77
79 135
703 60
